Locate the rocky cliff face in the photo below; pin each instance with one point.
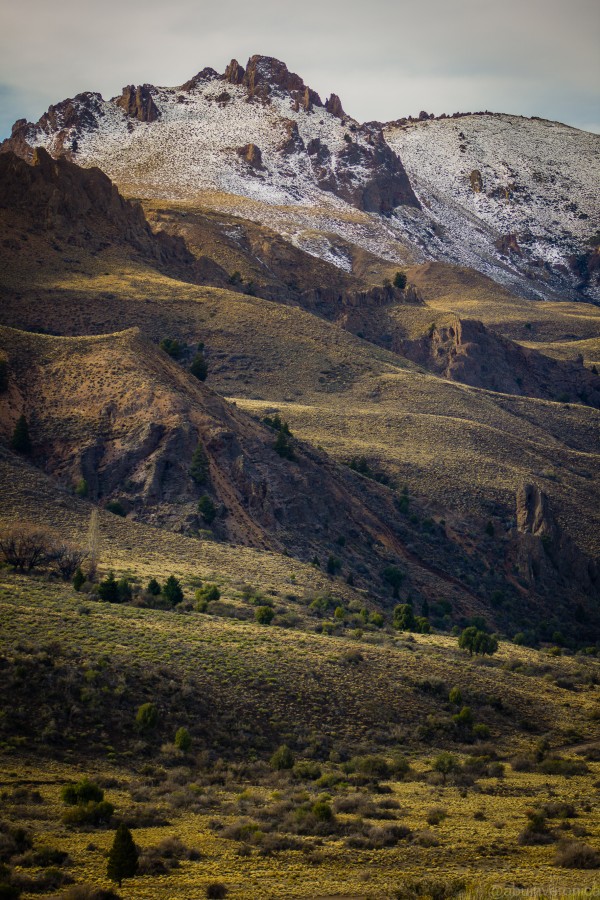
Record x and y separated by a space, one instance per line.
465 350
546 553
59 197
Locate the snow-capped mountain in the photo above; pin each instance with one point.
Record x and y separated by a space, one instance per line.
535 183
514 198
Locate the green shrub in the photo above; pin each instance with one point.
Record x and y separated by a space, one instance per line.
422 625
307 770
322 811
91 813
478 642
82 792
576 855
455 696
264 615
400 280
81 488
183 740
173 347
147 717
371 766
445 763
116 508
394 577
208 593
216 890
108 590
283 758
404 617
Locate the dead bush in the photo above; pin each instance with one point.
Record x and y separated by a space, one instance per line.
67 558
26 546
576 855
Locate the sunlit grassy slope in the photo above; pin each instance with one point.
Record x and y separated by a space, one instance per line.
237 685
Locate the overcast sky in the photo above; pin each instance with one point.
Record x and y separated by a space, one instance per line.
385 58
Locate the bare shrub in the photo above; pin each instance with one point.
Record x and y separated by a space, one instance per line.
436 815
26 546
68 558
576 855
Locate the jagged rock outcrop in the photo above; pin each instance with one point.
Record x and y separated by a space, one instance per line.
63 123
293 142
544 550
265 74
507 244
252 155
335 304
138 103
333 105
129 420
207 74
465 350
234 73
476 180
56 195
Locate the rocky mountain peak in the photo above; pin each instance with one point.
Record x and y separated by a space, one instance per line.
265 75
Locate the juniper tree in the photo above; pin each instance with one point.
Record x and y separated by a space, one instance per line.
123 856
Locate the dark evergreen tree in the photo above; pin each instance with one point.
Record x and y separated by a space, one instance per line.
207 509
199 367
108 590
78 580
123 856
400 280
394 577
153 588
21 442
172 591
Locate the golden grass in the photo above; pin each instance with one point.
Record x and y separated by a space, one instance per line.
482 849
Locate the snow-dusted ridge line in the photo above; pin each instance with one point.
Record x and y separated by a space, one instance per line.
512 197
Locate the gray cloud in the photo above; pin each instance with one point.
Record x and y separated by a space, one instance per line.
385 60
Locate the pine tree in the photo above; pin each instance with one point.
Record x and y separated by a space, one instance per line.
123 856
172 591
21 442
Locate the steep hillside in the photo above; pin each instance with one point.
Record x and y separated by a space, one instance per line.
141 432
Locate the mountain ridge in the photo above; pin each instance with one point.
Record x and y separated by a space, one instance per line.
513 198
